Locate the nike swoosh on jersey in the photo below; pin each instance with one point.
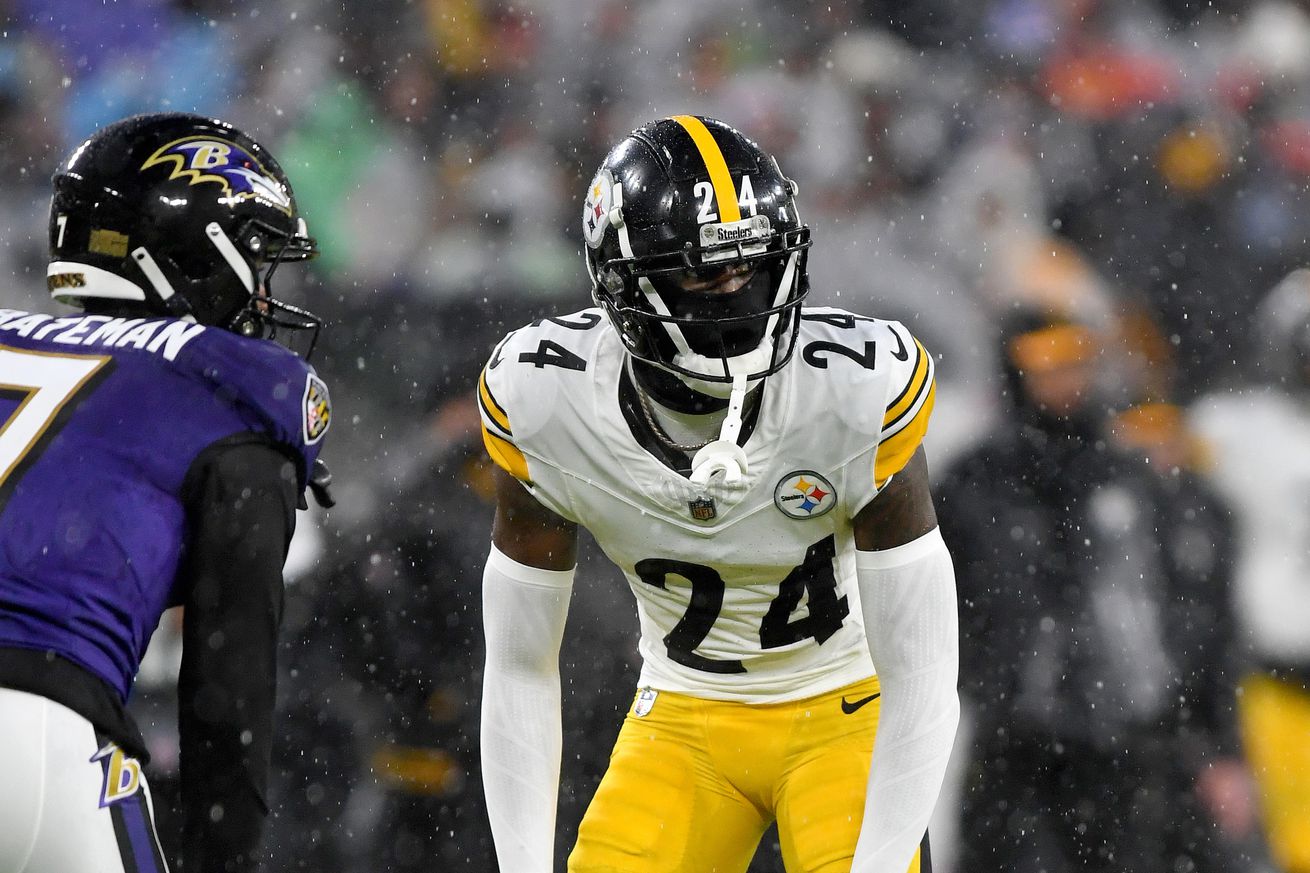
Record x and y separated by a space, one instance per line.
901 353
848 706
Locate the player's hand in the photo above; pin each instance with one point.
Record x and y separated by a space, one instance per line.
320 482
1225 789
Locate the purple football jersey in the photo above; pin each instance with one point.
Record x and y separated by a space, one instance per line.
100 420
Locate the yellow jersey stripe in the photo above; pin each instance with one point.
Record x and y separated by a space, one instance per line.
720 178
490 406
910 394
895 451
489 421
506 455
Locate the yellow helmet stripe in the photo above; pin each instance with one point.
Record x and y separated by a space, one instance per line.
724 194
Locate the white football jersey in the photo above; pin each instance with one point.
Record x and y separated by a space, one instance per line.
1259 438
744 592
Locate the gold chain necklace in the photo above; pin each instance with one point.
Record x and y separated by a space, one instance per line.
659 432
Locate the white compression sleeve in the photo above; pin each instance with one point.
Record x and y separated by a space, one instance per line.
523 613
908 600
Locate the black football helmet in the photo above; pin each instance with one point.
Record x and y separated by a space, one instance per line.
696 252
183 214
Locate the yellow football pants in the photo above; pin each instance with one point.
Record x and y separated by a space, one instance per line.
1276 732
693 785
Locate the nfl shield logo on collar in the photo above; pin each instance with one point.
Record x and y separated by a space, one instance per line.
702 508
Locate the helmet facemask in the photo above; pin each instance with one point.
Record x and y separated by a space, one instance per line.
263 314
228 283
683 312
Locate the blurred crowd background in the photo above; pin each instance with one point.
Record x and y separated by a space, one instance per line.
1135 168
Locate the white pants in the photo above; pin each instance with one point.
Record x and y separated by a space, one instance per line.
69 801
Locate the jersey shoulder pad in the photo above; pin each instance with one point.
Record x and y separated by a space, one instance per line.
828 326
888 391
530 373
278 389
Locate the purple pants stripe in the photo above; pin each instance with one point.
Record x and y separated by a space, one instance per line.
141 833
135 833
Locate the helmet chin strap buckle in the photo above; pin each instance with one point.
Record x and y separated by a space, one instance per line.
724 456
718 457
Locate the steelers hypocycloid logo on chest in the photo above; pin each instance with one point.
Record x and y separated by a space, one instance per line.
804 494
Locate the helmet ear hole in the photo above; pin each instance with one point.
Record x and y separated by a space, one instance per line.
610 278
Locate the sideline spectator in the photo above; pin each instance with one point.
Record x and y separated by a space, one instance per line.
1069 590
1260 433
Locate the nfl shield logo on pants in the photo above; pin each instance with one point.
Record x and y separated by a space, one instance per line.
702 508
645 702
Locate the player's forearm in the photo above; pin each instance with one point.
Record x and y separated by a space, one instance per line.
908 601
524 611
224 762
241 519
521 747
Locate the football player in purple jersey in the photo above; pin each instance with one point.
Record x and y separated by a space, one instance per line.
154 446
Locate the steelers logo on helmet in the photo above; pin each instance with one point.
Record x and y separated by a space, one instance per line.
804 494
596 207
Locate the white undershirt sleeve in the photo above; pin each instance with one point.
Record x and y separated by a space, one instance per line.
908 600
523 613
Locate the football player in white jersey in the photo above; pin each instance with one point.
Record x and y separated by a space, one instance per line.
755 469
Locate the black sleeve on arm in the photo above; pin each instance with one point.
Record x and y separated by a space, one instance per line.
241 498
